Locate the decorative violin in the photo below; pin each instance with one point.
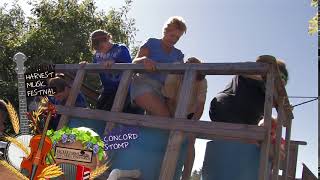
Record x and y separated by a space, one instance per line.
40 146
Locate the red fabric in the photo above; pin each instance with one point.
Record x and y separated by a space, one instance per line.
81 172
273 133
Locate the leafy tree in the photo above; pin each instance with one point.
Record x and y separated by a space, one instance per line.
12 26
313 22
57 33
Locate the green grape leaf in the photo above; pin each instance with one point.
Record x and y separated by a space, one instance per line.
100 156
100 143
94 141
86 137
50 132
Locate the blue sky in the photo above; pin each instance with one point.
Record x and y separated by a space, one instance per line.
237 31
233 31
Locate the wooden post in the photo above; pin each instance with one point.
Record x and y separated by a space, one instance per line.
291 173
121 96
189 160
265 146
281 92
85 89
287 150
176 137
294 147
276 158
75 89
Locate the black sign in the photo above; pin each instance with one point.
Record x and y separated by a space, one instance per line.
36 81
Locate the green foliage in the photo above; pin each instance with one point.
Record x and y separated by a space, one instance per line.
57 32
12 26
83 136
313 25
7 93
314 3
313 22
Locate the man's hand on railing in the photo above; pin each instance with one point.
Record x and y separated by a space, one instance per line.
82 64
149 64
107 64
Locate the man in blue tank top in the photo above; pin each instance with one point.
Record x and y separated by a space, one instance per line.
106 54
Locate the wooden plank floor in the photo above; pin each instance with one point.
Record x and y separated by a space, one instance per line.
6 174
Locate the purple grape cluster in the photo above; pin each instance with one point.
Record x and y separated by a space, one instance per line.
95 148
88 145
64 138
54 144
72 138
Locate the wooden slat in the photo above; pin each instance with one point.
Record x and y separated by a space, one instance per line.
293 145
203 129
189 159
75 89
85 89
281 91
280 177
298 142
265 147
290 178
121 95
287 149
206 68
169 162
292 165
122 91
276 158
7 174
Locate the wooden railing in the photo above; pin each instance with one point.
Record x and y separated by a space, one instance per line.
89 92
179 125
293 149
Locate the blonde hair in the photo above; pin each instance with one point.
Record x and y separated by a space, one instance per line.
175 22
98 36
